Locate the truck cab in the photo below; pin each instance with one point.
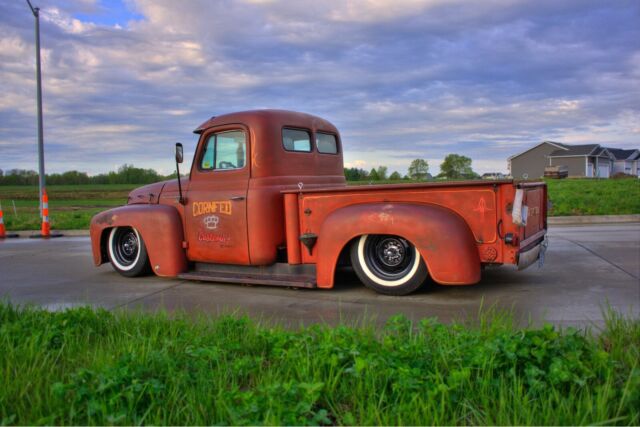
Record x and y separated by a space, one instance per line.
242 163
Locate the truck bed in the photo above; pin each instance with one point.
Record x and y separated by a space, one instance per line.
485 206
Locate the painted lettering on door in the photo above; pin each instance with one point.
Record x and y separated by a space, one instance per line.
213 237
212 207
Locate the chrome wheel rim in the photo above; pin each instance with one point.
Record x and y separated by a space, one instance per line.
126 246
389 257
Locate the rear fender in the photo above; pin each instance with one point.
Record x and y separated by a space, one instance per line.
441 236
160 227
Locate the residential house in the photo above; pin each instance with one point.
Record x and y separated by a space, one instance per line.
530 164
626 161
588 160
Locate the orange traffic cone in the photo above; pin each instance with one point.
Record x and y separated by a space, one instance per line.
46 228
3 232
45 231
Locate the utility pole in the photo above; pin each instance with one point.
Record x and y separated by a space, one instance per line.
36 14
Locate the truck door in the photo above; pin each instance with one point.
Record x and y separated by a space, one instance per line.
216 208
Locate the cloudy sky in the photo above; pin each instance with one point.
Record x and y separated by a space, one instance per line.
401 79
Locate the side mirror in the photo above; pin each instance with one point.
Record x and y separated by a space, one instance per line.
179 158
179 153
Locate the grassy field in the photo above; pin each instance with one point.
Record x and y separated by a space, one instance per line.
72 206
95 367
584 196
594 196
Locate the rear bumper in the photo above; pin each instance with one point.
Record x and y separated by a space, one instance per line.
532 254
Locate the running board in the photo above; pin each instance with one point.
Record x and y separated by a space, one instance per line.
280 274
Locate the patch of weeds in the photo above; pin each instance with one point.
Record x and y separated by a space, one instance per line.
85 366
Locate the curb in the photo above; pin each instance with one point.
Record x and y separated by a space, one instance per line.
65 233
593 219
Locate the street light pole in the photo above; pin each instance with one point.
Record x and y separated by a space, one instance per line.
41 181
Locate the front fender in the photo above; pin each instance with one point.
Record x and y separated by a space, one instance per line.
160 227
442 237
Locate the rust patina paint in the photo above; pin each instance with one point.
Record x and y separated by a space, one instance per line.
444 240
244 216
160 228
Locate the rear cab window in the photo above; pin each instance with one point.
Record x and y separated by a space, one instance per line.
296 140
326 143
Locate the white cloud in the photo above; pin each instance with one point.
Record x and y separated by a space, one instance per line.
370 11
402 79
64 21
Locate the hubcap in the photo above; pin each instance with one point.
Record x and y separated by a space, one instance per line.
130 244
389 257
126 246
392 252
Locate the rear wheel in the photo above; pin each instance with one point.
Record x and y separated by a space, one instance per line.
127 252
388 264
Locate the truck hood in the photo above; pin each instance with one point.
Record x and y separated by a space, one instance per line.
146 194
151 193
171 186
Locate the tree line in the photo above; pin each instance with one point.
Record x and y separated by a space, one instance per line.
454 166
126 174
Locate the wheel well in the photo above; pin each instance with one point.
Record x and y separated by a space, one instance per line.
443 239
344 259
104 241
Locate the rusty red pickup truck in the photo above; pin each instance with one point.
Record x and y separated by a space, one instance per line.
266 202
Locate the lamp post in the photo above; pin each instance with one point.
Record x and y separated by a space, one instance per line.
36 14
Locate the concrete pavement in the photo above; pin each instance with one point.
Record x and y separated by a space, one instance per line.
587 267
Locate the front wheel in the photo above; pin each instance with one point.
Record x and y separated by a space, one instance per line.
127 252
388 264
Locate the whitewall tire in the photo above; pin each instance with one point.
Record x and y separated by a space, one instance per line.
127 252
388 264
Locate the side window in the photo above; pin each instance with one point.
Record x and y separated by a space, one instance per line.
296 140
225 150
230 150
326 143
207 158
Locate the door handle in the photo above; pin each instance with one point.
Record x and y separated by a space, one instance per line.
237 198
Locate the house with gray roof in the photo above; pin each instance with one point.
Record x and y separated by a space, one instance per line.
590 160
530 164
582 161
626 161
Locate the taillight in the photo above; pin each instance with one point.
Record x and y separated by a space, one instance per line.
511 239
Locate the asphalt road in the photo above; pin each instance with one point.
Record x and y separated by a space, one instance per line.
586 269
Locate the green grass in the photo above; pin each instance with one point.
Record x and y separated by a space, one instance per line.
594 196
95 367
69 192
582 196
72 206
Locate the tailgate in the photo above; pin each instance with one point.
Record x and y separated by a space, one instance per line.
533 225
